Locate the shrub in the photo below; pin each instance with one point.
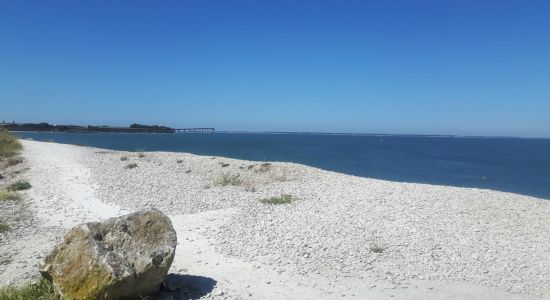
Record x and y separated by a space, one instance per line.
179 161
41 290
19 186
3 228
228 179
224 165
131 166
124 158
9 145
141 154
284 199
8 195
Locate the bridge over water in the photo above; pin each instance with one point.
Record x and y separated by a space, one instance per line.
203 129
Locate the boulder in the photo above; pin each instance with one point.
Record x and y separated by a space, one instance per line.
121 258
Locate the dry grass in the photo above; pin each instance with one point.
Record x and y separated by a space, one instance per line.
8 195
227 179
263 168
250 188
12 161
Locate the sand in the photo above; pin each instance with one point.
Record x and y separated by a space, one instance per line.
341 237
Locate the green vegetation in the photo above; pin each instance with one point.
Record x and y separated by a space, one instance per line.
41 290
124 158
227 179
131 166
377 248
9 145
3 228
19 186
284 199
8 195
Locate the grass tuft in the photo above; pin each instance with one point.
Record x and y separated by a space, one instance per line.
19 186
9 144
284 199
8 195
131 166
227 179
41 290
123 158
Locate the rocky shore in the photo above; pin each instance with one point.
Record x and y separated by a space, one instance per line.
338 237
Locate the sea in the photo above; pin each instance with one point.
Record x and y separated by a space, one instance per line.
516 165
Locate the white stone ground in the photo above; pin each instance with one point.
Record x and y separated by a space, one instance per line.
342 236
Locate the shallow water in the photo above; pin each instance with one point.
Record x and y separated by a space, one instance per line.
506 164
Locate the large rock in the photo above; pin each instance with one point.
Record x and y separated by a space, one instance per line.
122 257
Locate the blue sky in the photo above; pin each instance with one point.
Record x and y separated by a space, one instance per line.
426 67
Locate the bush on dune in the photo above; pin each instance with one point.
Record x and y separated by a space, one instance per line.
9 144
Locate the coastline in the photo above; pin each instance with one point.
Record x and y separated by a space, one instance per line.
437 242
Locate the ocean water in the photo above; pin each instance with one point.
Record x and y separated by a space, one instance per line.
506 164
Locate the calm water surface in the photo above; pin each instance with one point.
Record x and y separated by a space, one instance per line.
505 164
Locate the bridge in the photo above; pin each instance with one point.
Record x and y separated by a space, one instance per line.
180 130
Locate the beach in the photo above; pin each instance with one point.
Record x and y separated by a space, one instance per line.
340 237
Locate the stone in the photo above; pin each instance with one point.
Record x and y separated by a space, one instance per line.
123 257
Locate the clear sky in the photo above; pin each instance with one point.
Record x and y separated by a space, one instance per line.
427 67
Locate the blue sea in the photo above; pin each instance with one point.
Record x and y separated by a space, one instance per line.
505 164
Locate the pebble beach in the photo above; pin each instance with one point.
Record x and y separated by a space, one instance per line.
338 237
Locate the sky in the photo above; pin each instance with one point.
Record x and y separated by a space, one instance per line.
408 67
